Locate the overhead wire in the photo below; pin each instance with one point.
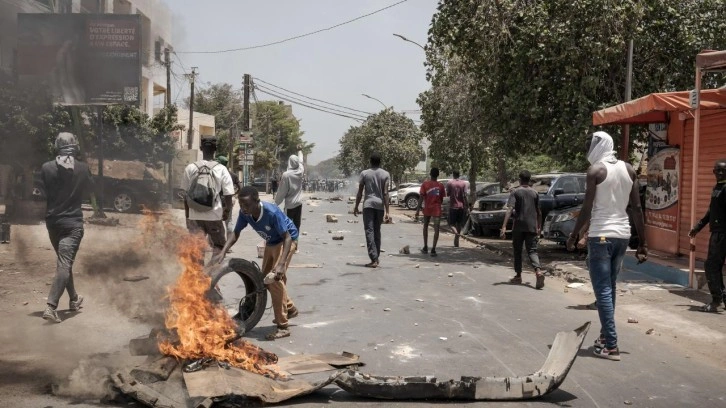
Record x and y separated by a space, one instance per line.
311 98
297 36
308 106
263 88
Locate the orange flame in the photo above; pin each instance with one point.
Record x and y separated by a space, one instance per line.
204 328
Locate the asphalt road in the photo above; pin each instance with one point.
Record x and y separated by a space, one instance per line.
471 323
408 317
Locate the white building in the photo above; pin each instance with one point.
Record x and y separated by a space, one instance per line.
156 31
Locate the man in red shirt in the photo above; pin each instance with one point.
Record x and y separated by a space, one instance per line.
432 194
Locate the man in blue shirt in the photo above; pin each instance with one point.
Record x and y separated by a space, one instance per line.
280 237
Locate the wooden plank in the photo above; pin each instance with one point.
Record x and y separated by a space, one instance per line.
156 370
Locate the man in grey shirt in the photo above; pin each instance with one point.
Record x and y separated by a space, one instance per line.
375 182
524 203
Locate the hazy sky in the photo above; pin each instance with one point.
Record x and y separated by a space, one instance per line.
336 65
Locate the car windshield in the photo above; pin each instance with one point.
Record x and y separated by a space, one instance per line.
542 184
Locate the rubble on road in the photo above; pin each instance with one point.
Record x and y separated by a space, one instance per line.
338 237
331 218
405 250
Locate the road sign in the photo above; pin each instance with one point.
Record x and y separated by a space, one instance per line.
693 98
250 151
250 157
248 162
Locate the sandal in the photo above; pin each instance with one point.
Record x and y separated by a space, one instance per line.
278 334
540 281
517 280
710 307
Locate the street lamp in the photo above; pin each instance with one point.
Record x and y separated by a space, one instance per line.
377 100
411 41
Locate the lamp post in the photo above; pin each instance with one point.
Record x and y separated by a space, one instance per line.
377 100
407 40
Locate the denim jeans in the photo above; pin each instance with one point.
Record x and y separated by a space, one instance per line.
605 259
66 240
372 220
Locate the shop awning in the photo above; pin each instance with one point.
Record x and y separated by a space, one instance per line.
654 108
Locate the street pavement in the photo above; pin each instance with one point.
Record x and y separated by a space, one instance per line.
408 317
455 315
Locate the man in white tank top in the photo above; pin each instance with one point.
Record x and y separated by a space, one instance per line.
611 187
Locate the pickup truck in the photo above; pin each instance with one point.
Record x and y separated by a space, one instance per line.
556 190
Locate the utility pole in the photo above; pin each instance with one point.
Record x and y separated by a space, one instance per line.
246 126
168 77
625 153
190 132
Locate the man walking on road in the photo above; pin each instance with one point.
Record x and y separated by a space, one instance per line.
716 219
432 194
207 183
524 204
374 181
64 181
611 187
290 189
280 237
456 190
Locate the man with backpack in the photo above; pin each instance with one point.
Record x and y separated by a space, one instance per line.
208 184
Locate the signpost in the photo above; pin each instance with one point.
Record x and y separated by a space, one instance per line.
247 155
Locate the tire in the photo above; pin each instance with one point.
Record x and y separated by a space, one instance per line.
412 202
252 306
124 201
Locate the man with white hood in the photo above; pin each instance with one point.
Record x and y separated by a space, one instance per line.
611 187
64 182
290 188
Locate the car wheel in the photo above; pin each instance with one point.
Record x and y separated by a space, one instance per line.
252 305
124 201
412 202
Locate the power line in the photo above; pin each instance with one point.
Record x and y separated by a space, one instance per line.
311 98
308 106
298 100
295 37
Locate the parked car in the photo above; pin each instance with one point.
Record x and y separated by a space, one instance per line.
560 223
408 196
130 185
556 190
483 189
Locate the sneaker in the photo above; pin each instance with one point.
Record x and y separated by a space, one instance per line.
456 241
516 280
600 342
540 281
610 354
51 314
433 252
425 250
592 306
710 307
75 305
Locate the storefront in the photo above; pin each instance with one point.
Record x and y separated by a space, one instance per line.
670 161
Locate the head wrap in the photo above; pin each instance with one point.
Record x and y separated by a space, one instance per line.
601 149
294 165
67 147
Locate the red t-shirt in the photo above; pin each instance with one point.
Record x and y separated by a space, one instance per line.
433 194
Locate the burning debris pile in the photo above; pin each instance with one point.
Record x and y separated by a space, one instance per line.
204 329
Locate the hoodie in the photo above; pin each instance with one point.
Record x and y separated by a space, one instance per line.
290 188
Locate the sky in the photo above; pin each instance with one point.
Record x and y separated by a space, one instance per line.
362 57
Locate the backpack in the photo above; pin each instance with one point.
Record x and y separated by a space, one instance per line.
202 189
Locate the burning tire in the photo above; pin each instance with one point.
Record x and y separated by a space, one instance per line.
252 305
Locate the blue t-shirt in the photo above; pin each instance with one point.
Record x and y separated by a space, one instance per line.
272 226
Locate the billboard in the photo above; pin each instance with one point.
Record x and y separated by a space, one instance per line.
85 59
661 195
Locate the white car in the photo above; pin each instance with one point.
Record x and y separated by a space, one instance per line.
409 196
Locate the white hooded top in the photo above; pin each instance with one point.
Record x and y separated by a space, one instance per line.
290 188
609 217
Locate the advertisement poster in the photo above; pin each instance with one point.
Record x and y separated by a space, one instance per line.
85 59
661 196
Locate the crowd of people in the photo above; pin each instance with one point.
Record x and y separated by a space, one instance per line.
603 224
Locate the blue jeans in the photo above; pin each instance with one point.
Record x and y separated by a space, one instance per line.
605 258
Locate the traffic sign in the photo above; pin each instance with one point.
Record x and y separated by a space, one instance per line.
248 162
250 157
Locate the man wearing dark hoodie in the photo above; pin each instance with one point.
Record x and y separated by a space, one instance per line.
290 189
64 182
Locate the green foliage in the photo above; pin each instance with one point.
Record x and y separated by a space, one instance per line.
393 135
277 135
224 103
130 134
540 68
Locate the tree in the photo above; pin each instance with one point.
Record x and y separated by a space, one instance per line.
393 135
224 103
277 135
542 67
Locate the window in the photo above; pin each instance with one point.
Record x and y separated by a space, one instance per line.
541 184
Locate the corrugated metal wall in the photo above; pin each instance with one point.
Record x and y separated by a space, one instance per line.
712 147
